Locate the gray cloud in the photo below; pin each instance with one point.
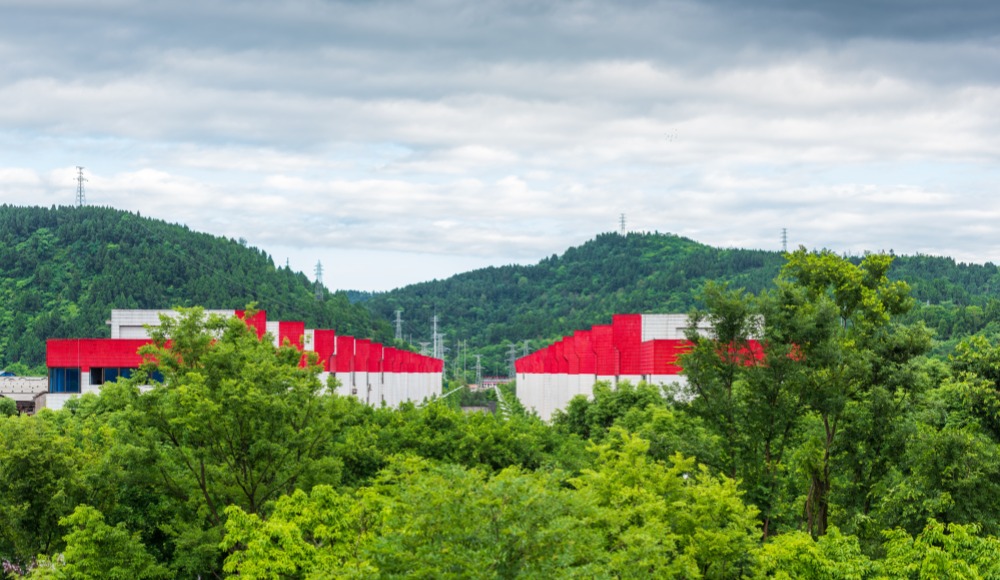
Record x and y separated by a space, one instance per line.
508 130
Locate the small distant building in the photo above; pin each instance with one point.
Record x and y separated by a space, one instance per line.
23 390
374 373
490 383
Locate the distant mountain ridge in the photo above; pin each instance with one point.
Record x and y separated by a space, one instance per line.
63 269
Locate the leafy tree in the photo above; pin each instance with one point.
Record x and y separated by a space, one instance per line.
754 397
448 522
235 421
830 364
440 432
95 550
590 418
948 469
40 483
940 551
839 365
8 407
420 519
666 520
795 554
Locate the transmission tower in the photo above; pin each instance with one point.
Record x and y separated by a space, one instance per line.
423 347
399 325
81 199
479 371
511 357
621 222
436 337
525 352
464 353
319 281
784 240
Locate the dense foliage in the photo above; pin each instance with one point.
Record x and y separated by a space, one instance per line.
845 451
63 269
493 307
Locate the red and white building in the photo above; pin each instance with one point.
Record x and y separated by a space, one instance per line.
634 347
372 372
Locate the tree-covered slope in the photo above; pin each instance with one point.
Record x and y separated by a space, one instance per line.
582 287
63 269
652 273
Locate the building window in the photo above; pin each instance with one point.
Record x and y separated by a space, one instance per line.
99 376
64 380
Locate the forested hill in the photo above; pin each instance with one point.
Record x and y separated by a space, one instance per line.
584 286
653 273
63 269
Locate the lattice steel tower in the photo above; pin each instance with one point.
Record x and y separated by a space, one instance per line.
81 199
319 281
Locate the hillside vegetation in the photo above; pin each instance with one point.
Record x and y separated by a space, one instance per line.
653 273
63 269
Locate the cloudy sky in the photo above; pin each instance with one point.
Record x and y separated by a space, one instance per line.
402 141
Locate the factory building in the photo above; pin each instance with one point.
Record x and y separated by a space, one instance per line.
634 347
371 372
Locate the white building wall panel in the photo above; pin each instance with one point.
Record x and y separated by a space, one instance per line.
547 384
634 379
128 323
666 379
361 382
389 392
664 326
569 388
54 401
610 379
273 329
437 383
527 390
405 389
346 383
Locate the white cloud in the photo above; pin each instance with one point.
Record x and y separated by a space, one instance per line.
423 128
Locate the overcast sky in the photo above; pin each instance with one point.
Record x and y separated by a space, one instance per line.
398 142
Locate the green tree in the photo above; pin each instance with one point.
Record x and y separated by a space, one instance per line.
853 365
40 483
235 421
940 551
97 551
8 407
796 554
666 520
421 519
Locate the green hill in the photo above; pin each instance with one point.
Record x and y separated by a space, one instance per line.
63 269
492 307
